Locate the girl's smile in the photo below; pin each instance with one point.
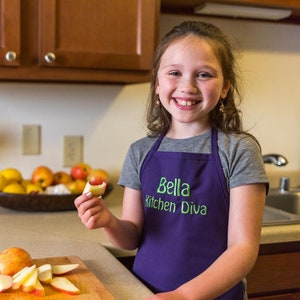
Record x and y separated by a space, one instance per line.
185 104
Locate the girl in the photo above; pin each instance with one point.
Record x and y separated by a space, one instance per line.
195 186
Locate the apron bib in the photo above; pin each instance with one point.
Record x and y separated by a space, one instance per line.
186 207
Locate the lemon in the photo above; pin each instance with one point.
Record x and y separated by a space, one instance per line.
33 188
26 182
3 182
12 175
14 188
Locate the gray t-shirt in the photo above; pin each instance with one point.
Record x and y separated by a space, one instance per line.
240 156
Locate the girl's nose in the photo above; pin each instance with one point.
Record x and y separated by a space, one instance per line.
188 85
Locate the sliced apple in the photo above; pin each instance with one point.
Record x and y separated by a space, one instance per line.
64 285
63 269
18 273
39 290
29 284
5 282
22 277
96 186
45 273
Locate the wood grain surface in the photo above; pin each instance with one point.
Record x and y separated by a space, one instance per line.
89 285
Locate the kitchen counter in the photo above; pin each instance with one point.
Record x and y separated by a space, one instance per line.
62 234
280 234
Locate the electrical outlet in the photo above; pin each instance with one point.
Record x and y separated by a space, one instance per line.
73 149
31 139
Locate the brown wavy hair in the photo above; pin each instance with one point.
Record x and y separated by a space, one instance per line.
229 121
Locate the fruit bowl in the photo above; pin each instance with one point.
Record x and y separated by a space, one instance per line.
42 202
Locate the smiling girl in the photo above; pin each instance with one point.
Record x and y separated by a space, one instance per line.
194 188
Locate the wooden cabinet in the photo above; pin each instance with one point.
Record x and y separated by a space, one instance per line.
187 6
10 25
276 274
78 40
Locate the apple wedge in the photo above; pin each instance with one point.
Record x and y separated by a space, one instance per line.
18 273
5 282
63 269
45 273
96 186
39 290
29 284
62 284
22 277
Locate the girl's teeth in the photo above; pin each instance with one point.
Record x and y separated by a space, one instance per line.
186 103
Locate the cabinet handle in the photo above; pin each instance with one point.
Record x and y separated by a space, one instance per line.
10 56
50 57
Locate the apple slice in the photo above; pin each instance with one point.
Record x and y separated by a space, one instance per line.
29 284
45 273
18 273
22 277
64 285
96 186
5 282
63 269
39 290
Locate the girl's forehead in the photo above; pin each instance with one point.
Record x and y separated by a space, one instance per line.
190 45
191 42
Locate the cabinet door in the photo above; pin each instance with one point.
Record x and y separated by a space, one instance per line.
97 34
275 273
290 296
10 37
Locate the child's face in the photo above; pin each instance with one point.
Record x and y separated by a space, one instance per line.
190 80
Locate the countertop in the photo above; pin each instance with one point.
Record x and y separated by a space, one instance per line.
46 234
50 234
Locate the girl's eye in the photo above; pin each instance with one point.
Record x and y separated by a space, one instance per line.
174 73
204 75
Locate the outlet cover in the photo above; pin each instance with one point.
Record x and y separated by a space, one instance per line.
73 150
31 139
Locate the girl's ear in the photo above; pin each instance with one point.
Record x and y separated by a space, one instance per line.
157 88
225 90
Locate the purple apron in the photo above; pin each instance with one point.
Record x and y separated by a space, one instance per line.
186 206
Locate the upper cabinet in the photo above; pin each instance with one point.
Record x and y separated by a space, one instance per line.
10 24
78 40
188 6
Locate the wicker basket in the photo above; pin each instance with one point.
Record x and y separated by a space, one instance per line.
41 202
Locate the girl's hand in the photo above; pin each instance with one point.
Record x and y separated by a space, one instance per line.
92 211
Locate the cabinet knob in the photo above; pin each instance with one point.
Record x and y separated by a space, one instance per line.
50 57
10 56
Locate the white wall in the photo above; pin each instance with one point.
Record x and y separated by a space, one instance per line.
110 117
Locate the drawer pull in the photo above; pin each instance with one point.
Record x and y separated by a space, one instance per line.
10 56
50 57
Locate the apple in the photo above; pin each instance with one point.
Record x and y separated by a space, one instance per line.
80 171
5 282
64 285
96 186
45 273
61 177
76 186
98 173
63 269
43 176
14 259
39 290
29 284
22 277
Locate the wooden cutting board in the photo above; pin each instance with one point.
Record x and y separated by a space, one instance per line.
89 285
